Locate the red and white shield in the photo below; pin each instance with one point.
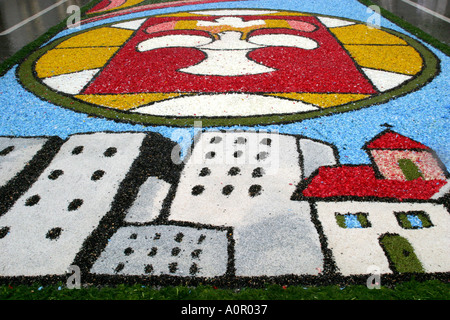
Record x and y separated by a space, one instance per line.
231 63
231 54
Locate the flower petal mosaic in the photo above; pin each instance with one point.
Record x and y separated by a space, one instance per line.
231 143
221 66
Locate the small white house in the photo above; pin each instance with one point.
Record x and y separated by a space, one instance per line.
355 230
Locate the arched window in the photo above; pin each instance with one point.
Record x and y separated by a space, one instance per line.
400 253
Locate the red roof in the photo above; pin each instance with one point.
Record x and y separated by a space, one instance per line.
393 140
360 181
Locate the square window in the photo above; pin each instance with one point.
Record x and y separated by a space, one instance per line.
352 220
413 219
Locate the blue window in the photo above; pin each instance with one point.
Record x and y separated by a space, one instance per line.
415 221
352 220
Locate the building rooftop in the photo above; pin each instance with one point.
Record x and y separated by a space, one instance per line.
391 140
360 181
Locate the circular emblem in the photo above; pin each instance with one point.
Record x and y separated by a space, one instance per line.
227 67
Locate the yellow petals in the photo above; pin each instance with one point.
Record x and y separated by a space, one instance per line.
400 59
323 100
126 101
362 34
61 61
101 37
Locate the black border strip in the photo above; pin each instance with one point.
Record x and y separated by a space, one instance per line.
18 185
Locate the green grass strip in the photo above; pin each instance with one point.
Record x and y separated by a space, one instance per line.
411 290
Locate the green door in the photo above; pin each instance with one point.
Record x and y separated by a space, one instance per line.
400 253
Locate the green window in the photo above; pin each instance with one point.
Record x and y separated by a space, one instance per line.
409 169
413 219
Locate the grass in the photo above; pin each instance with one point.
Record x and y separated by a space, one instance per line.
411 290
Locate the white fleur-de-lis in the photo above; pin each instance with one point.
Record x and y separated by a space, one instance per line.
228 55
234 22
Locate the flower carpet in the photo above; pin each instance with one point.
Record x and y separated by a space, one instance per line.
233 143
